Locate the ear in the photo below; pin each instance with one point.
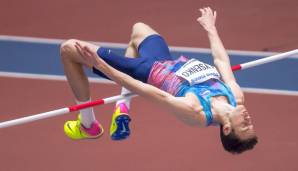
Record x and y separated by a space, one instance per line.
227 129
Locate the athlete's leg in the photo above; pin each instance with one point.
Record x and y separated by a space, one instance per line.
73 67
139 32
119 128
86 126
129 53
149 46
149 43
73 62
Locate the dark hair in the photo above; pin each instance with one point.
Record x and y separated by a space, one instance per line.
233 144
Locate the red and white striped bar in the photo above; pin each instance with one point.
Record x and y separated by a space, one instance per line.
115 98
264 60
63 111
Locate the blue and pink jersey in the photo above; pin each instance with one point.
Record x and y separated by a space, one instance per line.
163 75
156 66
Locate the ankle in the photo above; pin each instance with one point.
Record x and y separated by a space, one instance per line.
122 107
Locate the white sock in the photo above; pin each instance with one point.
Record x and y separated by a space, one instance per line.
125 100
87 115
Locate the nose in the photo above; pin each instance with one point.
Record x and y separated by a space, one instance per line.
246 116
248 119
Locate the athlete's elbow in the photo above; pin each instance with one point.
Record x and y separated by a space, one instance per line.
194 107
220 63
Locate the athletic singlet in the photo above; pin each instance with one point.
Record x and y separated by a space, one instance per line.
167 76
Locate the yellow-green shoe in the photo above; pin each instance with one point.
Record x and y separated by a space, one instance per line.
119 128
75 130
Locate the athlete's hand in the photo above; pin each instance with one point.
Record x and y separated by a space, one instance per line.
90 57
207 19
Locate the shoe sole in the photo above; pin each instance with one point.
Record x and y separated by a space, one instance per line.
123 130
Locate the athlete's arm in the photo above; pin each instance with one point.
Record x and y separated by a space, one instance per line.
180 106
220 56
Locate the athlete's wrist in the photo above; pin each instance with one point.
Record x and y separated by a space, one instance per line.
212 30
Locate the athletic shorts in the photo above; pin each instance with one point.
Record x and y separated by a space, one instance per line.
153 48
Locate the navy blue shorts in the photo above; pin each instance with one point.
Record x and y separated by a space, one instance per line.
153 48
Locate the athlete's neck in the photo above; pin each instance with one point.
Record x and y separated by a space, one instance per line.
221 109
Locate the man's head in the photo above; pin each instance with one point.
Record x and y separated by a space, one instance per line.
238 134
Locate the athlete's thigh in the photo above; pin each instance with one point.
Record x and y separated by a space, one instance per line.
124 64
149 43
155 48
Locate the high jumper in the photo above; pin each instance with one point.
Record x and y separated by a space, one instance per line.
197 93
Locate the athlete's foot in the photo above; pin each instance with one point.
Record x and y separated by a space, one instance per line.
119 129
75 130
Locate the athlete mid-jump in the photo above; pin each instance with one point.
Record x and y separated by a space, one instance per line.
197 93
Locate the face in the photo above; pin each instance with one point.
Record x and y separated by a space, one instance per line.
241 123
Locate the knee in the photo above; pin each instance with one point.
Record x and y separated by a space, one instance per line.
67 48
138 29
139 32
139 26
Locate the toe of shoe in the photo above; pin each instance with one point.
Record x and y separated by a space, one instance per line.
71 130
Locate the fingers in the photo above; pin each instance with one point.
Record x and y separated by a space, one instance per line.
214 14
207 11
202 11
88 50
89 57
79 48
84 51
